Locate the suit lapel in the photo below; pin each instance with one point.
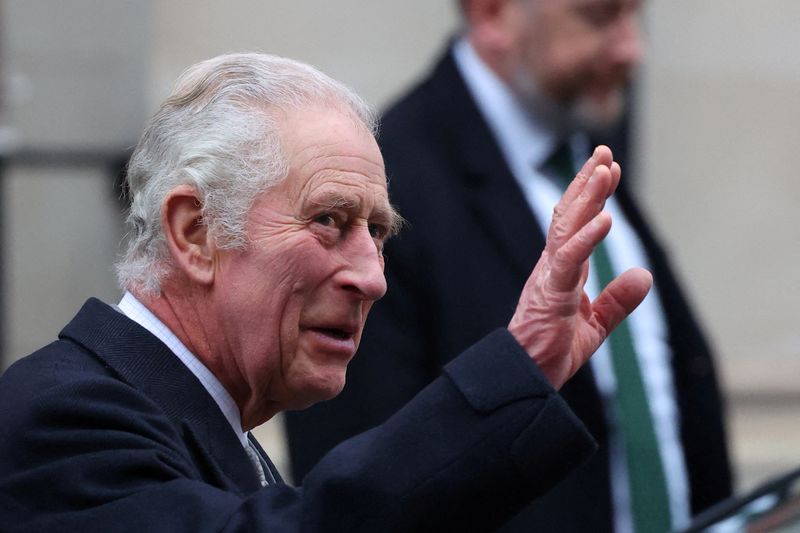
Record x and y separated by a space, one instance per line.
144 362
489 187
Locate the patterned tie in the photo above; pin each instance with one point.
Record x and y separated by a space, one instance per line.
262 470
648 488
259 468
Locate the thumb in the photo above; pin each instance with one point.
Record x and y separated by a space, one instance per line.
621 297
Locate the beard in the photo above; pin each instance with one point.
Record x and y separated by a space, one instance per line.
577 110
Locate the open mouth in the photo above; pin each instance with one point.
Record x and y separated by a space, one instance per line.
336 333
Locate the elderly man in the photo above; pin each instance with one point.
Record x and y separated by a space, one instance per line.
477 156
259 213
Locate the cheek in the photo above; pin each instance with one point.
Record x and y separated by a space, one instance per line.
263 306
296 291
292 273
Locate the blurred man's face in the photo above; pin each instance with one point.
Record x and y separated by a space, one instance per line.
295 302
576 53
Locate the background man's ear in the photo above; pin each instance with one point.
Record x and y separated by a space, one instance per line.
489 22
190 245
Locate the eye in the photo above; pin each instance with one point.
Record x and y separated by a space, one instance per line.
601 14
325 219
377 231
328 225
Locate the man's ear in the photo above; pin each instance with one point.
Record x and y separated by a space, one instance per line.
192 249
490 25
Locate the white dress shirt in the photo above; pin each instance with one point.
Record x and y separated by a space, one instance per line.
526 146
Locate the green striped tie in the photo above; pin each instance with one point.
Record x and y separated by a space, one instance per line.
648 488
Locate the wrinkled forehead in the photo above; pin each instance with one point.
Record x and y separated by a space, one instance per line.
333 159
325 140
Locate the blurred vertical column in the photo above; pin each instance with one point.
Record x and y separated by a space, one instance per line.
75 75
5 146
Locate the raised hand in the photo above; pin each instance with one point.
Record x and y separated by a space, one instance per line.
555 321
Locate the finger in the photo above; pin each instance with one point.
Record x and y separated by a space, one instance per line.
621 297
568 263
583 209
601 156
616 173
584 273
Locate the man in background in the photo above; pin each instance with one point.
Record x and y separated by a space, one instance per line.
476 156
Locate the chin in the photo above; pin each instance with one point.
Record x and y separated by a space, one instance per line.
597 114
318 390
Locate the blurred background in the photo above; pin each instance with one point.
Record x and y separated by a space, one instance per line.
716 136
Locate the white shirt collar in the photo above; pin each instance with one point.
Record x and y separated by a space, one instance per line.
136 311
524 143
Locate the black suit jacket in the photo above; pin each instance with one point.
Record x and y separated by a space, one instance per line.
456 272
106 430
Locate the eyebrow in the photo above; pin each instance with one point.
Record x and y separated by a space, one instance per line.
393 220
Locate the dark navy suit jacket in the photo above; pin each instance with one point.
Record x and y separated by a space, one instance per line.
456 273
106 430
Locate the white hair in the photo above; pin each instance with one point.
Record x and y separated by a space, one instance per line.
218 131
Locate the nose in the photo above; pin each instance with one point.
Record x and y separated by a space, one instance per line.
627 44
363 273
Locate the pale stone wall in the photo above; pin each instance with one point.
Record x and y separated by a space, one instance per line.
718 138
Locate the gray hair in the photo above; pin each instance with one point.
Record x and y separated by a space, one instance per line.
218 131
